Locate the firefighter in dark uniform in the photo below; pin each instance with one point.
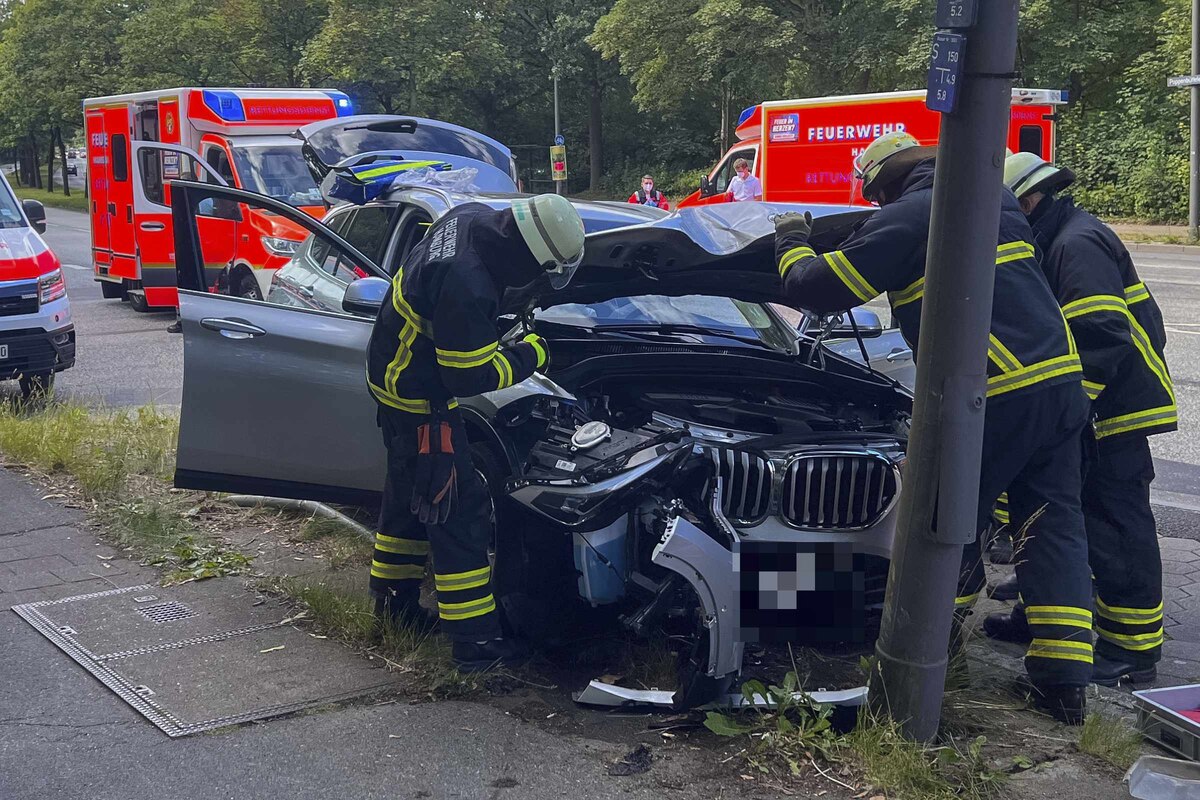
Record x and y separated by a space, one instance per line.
1036 408
435 341
1119 332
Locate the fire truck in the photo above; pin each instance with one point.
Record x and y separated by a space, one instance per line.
136 143
803 150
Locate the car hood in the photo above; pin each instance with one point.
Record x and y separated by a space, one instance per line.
723 250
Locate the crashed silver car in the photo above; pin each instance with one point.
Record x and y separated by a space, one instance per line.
689 460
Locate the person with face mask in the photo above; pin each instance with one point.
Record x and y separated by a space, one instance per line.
743 186
1119 331
649 196
1036 408
433 342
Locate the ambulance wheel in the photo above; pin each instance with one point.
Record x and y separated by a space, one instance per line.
138 302
112 291
247 287
37 385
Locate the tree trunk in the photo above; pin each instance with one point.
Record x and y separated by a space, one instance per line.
50 162
37 163
595 135
724 136
62 153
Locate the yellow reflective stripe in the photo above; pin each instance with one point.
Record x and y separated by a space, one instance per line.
1034 373
909 294
1133 641
1011 246
457 581
850 276
1000 354
965 600
404 309
1149 418
792 256
412 406
1136 293
404 547
1142 340
406 339
1059 615
466 359
1093 389
504 370
1130 616
1093 304
1014 251
1060 649
397 571
473 608
1002 500
393 168
1002 516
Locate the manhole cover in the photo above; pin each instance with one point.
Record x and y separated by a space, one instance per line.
166 612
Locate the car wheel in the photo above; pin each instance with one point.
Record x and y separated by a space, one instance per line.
36 386
112 291
247 287
137 300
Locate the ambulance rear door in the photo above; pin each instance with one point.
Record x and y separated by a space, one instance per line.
97 178
119 201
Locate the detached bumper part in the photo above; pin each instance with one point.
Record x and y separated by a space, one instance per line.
606 694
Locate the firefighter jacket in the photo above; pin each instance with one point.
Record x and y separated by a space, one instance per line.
1117 325
1029 345
435 339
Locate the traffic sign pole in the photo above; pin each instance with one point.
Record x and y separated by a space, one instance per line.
558 183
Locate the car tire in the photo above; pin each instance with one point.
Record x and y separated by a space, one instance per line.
137 301
36 386
112 291
248 288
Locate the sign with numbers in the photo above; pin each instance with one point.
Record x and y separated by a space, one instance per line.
945 69
956 13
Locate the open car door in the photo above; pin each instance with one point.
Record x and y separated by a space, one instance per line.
274 394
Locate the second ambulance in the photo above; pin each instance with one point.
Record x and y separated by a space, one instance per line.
136 143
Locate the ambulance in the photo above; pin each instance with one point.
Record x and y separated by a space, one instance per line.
136 143
803 150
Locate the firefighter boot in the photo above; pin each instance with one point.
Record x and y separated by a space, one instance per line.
1110 672
1007 589
1008 626
482 656
1067 704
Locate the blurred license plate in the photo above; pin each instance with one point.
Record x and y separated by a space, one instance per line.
813 592
3 351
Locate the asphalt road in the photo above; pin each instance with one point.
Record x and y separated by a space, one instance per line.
126 358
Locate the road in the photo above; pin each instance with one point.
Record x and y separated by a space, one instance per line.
126 358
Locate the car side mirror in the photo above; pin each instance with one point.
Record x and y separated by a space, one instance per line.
36 212
706 188
365 296
868 322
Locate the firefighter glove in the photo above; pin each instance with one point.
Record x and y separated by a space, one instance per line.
794 224
540 347
435 483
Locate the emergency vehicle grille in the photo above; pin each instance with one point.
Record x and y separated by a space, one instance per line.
29 350
746 484
842 491
14 304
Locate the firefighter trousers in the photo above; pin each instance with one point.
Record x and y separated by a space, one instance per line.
1123 549
1033 446
461 569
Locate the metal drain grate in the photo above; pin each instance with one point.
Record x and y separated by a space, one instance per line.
166 612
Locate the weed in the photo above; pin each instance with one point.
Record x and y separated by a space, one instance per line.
342 545
158 532
1110 739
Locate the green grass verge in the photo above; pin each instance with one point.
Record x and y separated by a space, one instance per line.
55 199
1110 739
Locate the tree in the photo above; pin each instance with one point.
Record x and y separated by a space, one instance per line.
180 43
272 35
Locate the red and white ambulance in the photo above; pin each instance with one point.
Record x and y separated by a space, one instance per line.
37 336
136 143
803 150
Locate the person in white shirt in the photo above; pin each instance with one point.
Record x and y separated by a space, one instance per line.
743 186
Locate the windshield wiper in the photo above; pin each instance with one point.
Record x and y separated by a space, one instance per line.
669 328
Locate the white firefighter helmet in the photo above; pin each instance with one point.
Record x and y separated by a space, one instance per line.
553 232
1026 173
868 167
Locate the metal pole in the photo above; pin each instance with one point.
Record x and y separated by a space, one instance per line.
947 427
558 185
1194 149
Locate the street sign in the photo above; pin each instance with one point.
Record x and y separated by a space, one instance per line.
559 140
1183 80
946 59
558 162
956 13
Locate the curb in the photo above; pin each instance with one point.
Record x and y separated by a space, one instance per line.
1175 249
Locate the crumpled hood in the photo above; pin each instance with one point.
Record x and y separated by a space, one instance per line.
723 250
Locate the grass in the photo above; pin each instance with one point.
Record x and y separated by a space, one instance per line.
1134 237
349 617
55 199
342 545
1110 739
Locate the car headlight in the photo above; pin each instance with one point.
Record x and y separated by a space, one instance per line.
51 286
281 247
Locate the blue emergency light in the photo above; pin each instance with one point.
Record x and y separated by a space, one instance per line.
342 103
745 115
226 105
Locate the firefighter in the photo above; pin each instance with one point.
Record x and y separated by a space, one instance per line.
1036 408
1119 332
434 341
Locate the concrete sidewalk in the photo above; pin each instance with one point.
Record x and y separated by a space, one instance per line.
64 735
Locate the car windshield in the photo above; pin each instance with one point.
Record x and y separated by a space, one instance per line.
278 171
690 315
10 212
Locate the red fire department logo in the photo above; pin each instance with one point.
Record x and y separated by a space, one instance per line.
170 124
